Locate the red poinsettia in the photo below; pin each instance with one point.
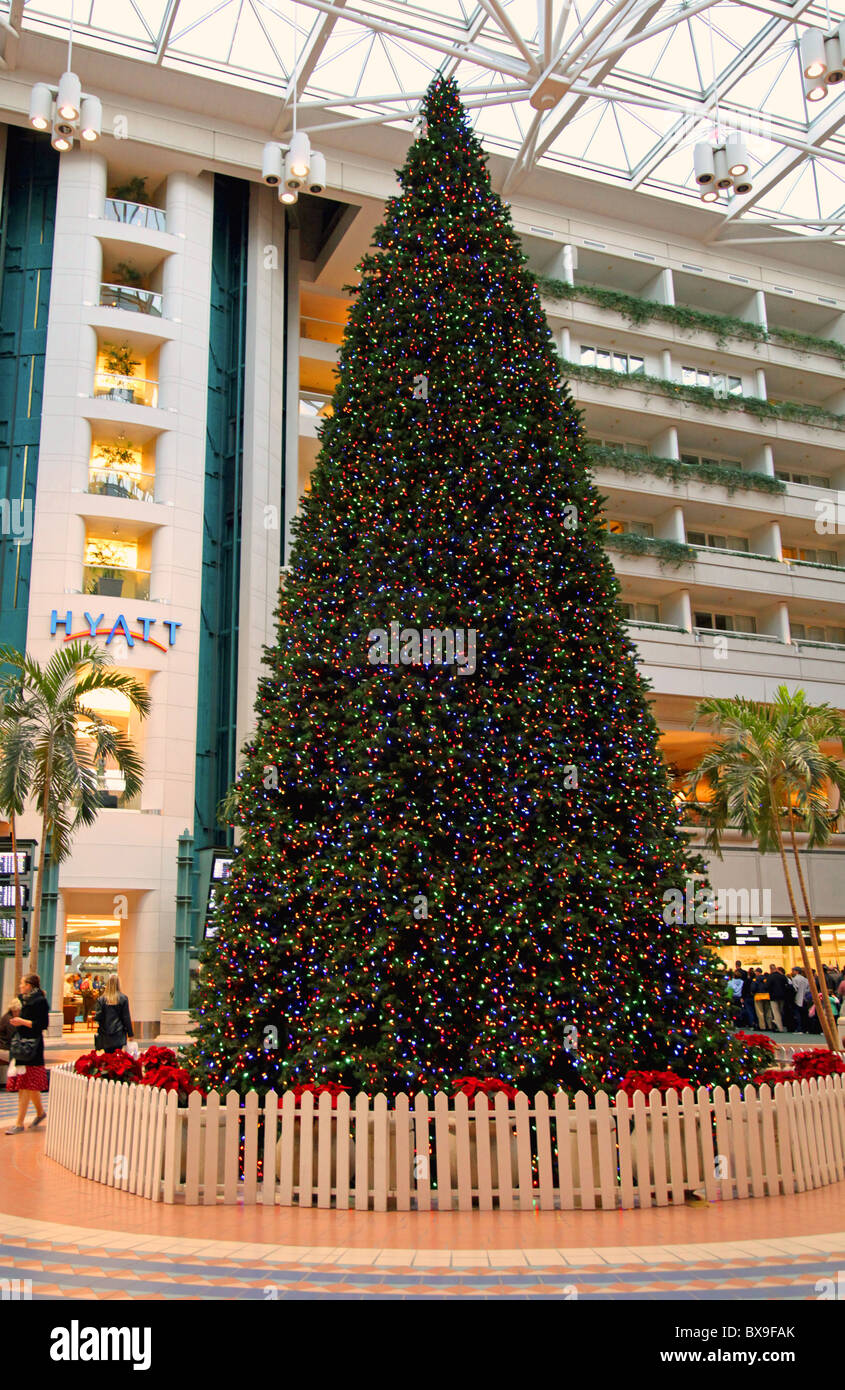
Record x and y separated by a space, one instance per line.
757 1040
647 1081
817 1061
319 1088
154 1057
472 1086
167 1078
112 1066
774 1076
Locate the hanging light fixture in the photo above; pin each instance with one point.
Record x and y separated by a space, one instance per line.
737 157
66 110
41 106
813 62
705 171
815 89
301 167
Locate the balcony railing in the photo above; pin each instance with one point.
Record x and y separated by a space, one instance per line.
111 482
131 390
111 792
107 581
135 215
131 298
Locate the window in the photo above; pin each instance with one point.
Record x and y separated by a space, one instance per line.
803 479
712 541
812 557
630 528
609 361
725 622
626 446
716 382
802 633
641 612
703 458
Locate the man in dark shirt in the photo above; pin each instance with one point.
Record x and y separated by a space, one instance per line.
762 1001
777 996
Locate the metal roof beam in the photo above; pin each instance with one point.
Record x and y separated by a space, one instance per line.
166 29
498 13
786 160
309 58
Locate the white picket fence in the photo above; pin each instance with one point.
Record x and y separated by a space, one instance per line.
552 1154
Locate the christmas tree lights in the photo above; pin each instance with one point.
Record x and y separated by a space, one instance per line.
443 873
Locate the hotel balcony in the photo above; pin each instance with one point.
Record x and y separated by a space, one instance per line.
110 581
140 215
131 298
128 390
111 481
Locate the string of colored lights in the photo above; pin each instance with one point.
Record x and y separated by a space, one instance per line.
425 888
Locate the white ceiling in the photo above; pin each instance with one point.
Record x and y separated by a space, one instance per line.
638 81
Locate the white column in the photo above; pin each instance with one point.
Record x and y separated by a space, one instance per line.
263 432
665 444
760 389
566 344
669 526
754 309
666 365
291 387
762 460
766 540
661 288
676 609
774 622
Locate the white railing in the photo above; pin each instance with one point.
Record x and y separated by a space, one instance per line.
135 214
424 1155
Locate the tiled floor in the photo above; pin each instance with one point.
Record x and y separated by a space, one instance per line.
104 1244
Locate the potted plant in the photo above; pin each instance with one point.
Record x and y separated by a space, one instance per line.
120 362
129 273
109 582
133 191
117 459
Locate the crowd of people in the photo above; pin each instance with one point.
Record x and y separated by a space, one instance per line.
774 1001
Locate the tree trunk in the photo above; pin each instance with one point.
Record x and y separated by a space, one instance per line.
805 959
36 904
18 908
814 940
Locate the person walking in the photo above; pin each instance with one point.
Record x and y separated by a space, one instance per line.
777 997
750 1018
762 1001
27 1052
112 1019
801 985
788 1005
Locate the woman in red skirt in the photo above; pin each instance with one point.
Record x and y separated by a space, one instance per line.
31 1078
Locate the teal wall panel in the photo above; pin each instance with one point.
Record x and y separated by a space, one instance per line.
218 655
26 257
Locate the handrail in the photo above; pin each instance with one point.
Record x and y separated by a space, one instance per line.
130 297
135 214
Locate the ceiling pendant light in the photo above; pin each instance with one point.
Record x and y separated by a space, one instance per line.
737 157
814 89
41 106
705 171
69 98
91 118
812 53
299 155
272 164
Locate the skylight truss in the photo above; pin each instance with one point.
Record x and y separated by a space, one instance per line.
631 85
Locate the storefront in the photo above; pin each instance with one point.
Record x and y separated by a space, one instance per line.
777 944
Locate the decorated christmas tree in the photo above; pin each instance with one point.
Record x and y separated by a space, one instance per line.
458 836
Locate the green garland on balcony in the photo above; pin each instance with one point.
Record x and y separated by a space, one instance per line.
799 411
672 553
723 326
722 475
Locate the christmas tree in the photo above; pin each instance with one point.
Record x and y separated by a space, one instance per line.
457 833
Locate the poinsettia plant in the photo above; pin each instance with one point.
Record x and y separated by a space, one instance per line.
170 1078
648 1081
757 1040
317 1089
112 1066
774 1077
815 1062
472 1086
153 1057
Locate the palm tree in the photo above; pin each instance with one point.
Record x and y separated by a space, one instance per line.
768 777
52 745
